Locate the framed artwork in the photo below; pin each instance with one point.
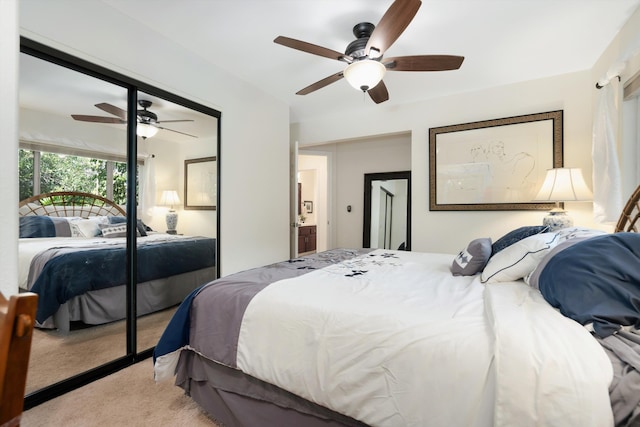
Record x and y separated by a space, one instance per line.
200 184
308 205
495 164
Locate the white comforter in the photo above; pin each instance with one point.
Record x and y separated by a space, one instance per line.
405 343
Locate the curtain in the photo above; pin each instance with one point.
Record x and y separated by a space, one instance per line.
607 182
636 144
630 147
148 189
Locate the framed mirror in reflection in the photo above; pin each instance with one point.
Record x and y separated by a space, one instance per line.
76 220
387 210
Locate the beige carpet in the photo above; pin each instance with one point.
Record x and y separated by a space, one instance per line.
56 356
129 397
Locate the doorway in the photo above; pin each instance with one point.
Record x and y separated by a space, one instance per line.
313 199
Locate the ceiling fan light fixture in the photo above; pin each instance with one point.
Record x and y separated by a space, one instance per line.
365 74
146 130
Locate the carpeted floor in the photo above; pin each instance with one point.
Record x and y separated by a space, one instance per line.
129 398
56 356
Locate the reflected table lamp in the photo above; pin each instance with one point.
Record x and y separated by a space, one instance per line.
170 198
562 185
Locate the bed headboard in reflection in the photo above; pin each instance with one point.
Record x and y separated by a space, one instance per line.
69 203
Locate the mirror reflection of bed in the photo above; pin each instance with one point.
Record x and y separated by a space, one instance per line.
90 330
73 255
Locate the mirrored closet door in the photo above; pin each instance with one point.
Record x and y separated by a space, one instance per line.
179 145
63 157
110 204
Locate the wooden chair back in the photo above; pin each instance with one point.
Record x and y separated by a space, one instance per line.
17 319
630 217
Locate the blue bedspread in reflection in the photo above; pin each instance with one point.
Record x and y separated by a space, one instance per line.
72 274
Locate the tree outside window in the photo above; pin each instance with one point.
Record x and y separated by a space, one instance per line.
61 172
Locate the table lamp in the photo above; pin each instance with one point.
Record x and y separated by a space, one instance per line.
562 185
170 198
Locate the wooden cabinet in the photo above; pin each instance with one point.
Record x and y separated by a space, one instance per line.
306 238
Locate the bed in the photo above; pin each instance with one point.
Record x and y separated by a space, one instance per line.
72 253
536 328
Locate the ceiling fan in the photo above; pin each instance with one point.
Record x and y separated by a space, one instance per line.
147 120
364 56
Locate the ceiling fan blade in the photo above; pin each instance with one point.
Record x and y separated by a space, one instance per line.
97 119
174 121
312 48
176 131
423 63
379 93
112 109
320 84
391 25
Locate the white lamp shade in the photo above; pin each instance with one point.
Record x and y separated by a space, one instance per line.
145 130
365 74
169 198
564 185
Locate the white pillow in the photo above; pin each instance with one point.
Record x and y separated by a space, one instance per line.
519 259
90 227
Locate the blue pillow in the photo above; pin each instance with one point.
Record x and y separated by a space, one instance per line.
117 219
142 227
516 235
33 226
596 281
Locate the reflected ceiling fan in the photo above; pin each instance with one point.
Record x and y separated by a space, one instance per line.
147 120
364 56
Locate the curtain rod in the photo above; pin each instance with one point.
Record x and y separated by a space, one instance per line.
600 86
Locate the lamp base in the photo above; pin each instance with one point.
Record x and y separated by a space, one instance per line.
172 222
557 219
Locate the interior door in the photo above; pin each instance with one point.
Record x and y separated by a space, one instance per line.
294 208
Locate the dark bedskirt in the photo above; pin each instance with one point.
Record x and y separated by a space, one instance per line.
238 400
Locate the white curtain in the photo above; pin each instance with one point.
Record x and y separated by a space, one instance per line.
636 144
148 189
607 183
630 153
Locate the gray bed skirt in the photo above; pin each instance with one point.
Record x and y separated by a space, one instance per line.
109 304
235 399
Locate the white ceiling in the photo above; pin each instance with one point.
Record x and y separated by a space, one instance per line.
503 41
52 89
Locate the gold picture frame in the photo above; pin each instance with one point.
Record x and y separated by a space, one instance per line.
494 164
200 183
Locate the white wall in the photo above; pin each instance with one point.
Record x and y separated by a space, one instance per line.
248 238
450 231
9 147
